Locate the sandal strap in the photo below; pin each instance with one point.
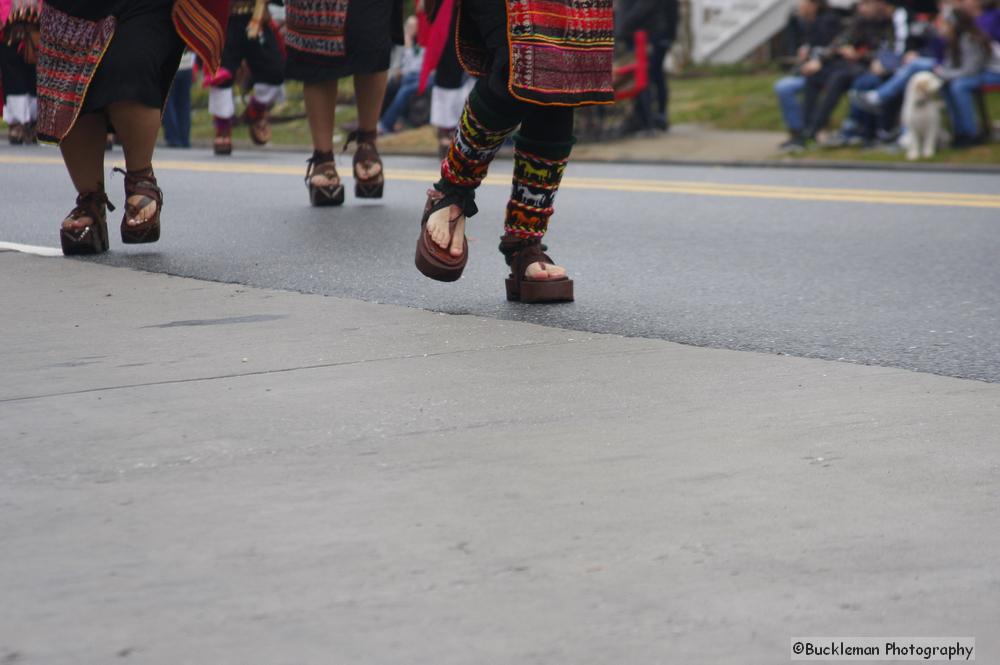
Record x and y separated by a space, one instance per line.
142 182
521 253
315 166
363 137
90 204
366 153
443 195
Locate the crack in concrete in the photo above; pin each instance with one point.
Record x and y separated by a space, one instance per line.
283 370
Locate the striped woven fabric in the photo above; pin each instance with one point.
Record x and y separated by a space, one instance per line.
202 26
561 51
316 26
70 51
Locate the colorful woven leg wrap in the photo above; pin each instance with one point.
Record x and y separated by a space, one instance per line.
223 126
538 170
481 132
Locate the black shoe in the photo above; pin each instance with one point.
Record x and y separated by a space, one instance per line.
793 144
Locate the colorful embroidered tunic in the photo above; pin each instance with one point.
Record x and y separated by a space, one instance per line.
76 37
560 51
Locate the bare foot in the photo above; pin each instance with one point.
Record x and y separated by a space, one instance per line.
439 230
324 175
81 222
544 271
367 170
144 214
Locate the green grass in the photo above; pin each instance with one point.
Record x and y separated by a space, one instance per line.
726 101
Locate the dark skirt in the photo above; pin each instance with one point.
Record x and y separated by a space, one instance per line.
142 58
18 76
369 35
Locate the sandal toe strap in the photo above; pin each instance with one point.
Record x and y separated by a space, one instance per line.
521 253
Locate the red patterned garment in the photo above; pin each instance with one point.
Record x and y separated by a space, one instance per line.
316 26
561 51
202 26
71 49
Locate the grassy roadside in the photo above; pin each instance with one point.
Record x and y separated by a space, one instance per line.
736 99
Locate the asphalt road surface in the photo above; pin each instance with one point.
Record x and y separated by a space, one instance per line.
875 267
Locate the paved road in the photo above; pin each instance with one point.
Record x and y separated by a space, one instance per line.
894 269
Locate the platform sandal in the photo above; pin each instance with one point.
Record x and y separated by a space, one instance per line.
15 134
367 154
431 259
93 238
258 124
521 253
322 164
141 183
222 144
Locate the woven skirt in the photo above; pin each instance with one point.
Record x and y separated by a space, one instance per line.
136 64
371 29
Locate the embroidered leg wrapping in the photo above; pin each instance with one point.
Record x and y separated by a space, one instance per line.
481 132
538 170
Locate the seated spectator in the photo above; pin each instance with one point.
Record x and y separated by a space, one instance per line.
409 81
971 60
871 31
817 25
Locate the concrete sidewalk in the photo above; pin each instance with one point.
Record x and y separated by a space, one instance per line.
207 473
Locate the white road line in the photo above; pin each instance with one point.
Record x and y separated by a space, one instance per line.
30 249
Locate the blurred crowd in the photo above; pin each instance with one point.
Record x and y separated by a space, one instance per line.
898 64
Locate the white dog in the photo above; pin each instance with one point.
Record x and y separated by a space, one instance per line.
921 118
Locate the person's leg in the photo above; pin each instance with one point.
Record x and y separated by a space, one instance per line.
182 98
860 122
962 94
263 56
83 153
369 91
223 111
171 132
837 86
953 116
321 108
787 89
136 126
658 75
488 119
895 86
407 88
541 153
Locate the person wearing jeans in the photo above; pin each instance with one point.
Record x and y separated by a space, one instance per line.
788 90
893 88
959 94
818 26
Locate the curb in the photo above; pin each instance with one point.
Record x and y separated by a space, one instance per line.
780 163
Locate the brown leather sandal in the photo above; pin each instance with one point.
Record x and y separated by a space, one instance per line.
93 238
367 154
141 183
521 253
15 134
431 260
322 164
222 144
258 125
